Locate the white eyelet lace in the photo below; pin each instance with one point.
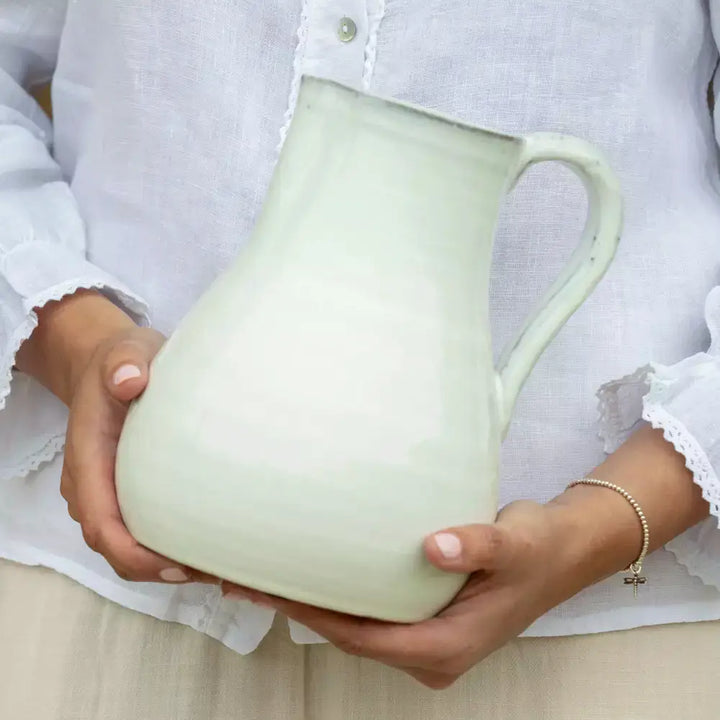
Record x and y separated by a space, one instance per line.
47 450
624 403
695 459
48 445
620 405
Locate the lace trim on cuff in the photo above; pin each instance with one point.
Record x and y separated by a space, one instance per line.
47 450
695 459
698 550
622 405
49 446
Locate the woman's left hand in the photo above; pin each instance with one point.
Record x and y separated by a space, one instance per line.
521 566
531 559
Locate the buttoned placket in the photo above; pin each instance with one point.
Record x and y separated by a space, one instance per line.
337 40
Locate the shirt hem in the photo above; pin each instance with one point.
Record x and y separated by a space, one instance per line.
605 621
600 622
229 634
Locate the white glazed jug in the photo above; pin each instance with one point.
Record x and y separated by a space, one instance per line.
331 400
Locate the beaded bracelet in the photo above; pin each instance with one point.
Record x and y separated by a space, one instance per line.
635 567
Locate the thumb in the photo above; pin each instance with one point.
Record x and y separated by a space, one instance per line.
127 367
472 548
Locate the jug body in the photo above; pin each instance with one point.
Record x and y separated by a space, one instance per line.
331 399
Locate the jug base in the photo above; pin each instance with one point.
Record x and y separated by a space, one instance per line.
413 612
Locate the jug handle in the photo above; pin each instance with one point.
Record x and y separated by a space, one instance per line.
583 271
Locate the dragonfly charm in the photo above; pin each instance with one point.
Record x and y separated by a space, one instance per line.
635 580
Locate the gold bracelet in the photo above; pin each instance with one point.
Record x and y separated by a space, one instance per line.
635 567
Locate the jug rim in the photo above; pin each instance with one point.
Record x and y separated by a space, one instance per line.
308 79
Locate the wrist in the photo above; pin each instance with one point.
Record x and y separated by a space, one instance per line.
599 533
69 333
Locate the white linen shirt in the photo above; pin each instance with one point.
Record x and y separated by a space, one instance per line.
168 119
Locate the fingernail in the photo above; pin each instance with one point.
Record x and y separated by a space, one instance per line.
173 575
255 598
449 545
125 373
261 601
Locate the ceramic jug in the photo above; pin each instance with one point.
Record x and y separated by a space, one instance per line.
332 399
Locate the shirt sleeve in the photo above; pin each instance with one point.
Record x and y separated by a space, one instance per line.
682 400
42 237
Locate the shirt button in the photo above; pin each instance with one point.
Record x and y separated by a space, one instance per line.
347 29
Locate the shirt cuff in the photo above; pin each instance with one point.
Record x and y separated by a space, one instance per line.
683 401
32 420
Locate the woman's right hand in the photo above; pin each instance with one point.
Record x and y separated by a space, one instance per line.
97 361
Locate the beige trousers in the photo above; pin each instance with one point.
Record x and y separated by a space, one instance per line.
67 654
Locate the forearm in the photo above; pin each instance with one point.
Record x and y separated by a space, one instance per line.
605 530
68 333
